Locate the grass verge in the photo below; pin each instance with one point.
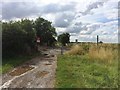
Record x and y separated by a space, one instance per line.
10 63
74 71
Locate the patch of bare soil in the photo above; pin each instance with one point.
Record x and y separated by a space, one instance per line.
20 70
41 74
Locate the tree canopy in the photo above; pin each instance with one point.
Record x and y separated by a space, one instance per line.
64 38
45 30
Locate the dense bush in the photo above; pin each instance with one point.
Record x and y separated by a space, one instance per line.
19 37
15 38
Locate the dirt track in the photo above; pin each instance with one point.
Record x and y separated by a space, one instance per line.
40 72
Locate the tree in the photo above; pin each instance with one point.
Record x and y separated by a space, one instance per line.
64 38
13 38
100 42
18 37
27 26
45 31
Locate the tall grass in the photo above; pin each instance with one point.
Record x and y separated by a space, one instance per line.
75 50
103 53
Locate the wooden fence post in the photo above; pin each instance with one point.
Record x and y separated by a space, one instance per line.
97 40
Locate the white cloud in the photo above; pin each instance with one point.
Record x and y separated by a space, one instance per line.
60 30
111 14
50 17
97 17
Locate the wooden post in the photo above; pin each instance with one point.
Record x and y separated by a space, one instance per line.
97 43
97 39
61 50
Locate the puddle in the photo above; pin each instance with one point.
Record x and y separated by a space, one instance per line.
41 74
52 55
49 56
48 59
48 64
20 70
45 54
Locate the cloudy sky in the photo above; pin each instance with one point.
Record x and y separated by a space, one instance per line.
83 19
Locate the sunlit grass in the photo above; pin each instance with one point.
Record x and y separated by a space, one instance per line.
105 55
74 71
89 66
75 50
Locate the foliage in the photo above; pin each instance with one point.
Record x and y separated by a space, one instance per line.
27 26
19 37
13 38
45 31
64 38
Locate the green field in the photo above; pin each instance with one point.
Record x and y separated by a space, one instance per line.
80 69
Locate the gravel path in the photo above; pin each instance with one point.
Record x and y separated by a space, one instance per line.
42 74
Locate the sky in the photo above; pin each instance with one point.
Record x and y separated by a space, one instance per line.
83 19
